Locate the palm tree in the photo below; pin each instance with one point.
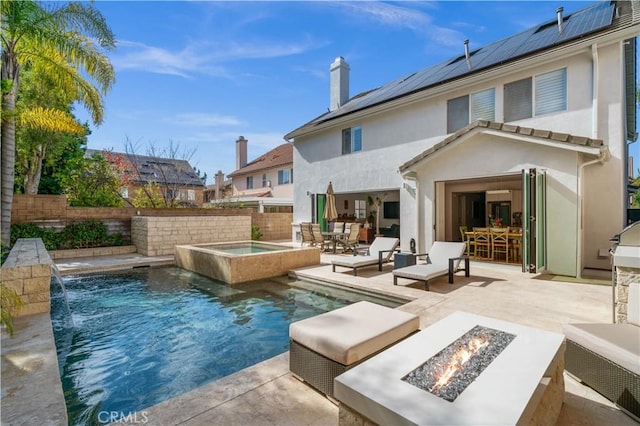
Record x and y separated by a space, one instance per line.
30 34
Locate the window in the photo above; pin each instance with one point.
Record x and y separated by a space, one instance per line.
482 105
457 113
284 177
517 100
548 91
249 182
264 180
172 194
351 140
191 195
465 109
551 92
124 192
361 209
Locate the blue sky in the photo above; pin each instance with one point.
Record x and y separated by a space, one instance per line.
199 74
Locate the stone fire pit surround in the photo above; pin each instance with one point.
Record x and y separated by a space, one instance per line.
522 385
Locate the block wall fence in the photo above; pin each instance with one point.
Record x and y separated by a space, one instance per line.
53 211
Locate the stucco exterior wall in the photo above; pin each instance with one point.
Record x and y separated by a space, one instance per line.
391 137
462 161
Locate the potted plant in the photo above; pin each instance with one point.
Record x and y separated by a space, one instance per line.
376 204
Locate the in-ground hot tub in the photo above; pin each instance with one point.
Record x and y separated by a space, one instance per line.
241 261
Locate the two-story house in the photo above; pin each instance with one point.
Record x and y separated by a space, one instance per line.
532 129
179 183
265 183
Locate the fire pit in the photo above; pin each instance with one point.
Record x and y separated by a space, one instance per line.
464 369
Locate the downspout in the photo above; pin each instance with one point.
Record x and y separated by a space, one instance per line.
602 157
595 88
594 135
413 190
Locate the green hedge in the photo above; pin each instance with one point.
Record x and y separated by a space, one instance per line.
89 234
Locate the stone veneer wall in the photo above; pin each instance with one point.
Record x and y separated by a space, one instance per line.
274 226
623 276
157 236
27 270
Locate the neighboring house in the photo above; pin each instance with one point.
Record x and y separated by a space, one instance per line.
221 189
177 179
532 128
265 183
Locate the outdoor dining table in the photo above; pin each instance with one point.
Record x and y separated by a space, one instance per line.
334 237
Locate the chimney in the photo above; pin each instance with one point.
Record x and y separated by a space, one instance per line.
559 13
339 83
241 152
466 53
219 183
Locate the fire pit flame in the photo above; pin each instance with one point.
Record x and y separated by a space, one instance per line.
459 359
448 373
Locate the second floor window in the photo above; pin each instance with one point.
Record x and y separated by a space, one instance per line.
249 182
351 140
265 183
543 94
285 176
465 109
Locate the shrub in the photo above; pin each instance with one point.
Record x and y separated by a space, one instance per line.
92 233
10 303
50 237
255 232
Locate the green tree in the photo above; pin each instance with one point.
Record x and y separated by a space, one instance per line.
92 183
32 33
39 143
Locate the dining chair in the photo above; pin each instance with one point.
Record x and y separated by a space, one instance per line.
467 239
338 227
306 235
482 242
318 238
351 241
500 243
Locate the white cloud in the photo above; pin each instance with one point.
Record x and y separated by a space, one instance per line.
202 119
202 57
403 16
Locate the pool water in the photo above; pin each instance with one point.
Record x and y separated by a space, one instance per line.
142 336
247 247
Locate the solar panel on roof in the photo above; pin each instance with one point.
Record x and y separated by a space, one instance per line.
575 25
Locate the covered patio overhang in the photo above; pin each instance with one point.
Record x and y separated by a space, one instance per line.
590 147
491 159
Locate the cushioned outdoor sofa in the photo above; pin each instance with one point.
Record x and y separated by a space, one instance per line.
327 345
606 357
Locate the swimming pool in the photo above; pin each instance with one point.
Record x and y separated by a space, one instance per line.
142 336
241 261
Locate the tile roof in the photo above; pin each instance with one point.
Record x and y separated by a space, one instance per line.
507 129
279 156
591 19
164 171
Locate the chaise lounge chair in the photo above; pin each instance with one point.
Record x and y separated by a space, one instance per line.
378 252
443 258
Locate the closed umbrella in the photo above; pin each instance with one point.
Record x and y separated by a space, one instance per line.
330 212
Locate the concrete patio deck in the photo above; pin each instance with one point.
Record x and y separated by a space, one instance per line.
267 393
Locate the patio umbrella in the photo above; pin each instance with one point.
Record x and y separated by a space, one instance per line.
330 212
